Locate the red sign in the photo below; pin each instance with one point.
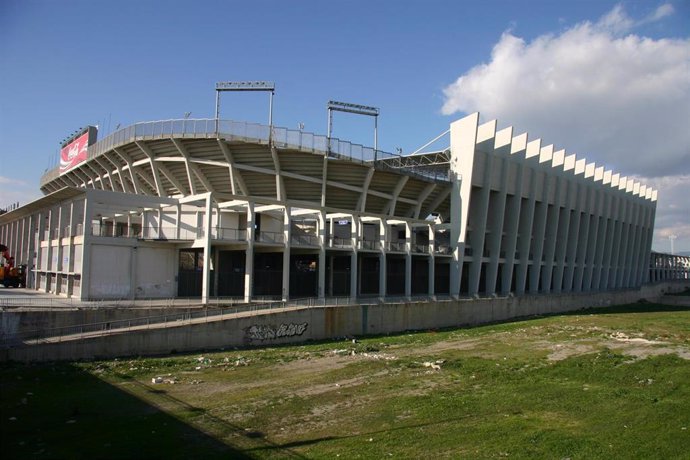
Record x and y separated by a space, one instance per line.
74 153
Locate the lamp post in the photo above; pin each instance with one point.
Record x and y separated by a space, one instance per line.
246 86
353 108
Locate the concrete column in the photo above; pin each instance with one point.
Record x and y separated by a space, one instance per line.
322 255
206 278
632 243
178 212
286 254
537 246
160 222
550 237
562 238
463 139
408 260
432 262
497 208
249 255
30 249
133 273
602 232
383 269
637 244
594 235
479 228
642 253
526 223
21 233
70 250
512 220
574 238
650 229
39 256
354 265
611 230
584 240
216 273
638 274
622 242
86 250
49 253
58 250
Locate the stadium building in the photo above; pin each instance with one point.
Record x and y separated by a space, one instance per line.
212 208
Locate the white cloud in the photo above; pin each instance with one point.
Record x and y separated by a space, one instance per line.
622 101
16 191
8 181
660 13
595 89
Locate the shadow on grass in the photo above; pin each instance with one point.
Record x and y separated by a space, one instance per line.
62 411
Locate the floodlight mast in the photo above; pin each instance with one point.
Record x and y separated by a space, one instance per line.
356 109
246 86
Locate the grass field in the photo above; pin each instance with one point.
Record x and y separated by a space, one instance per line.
611 383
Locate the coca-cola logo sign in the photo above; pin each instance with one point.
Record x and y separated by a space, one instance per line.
74 153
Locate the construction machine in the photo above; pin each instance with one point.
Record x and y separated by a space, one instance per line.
11 276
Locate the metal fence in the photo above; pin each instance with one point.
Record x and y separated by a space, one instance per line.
247 132
185 317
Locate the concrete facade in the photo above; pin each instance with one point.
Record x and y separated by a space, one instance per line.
298 325
213 208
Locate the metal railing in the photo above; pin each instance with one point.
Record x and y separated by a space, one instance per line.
396 246
185 317
247 132
233 234
373 245
338 242
304 240
420 248
270 237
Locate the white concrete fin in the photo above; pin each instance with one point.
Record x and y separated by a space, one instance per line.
615 180
589 169
643 191
608 175
504 137
533 148
580 166
518 144
546 154
599 174
623 183
569 162
654 195
486 131
634 187
558 158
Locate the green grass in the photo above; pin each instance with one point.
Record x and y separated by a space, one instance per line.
609 383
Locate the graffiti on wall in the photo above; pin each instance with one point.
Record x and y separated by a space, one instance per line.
270 332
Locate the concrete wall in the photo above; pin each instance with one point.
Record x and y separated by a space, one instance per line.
299 325
155 273
110 275
14 322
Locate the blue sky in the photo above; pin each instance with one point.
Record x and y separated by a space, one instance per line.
66 64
